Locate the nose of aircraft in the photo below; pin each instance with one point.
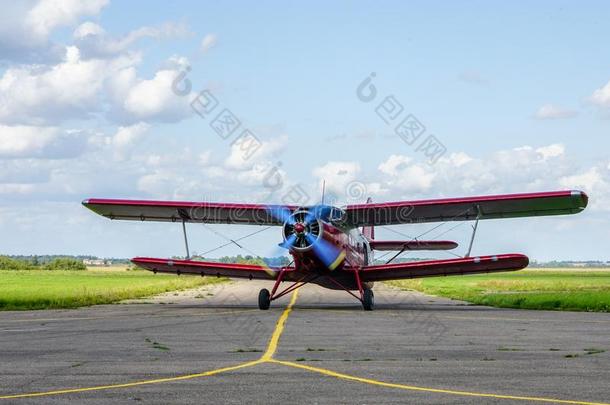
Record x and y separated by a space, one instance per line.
299 227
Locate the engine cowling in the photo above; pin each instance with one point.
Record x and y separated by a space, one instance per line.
302 230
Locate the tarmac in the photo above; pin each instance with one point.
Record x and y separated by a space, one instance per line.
318 346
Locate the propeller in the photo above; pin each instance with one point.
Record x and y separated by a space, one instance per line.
328 253
281 213
303 231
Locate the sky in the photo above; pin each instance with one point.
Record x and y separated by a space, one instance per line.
127 100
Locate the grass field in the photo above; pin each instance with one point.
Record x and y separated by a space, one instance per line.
551 289
40 289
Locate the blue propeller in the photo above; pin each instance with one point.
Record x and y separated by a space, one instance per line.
281 213
328 253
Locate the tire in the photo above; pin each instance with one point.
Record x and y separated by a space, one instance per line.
264 299
368 300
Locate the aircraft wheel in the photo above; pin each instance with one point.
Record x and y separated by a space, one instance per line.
264 299
368 300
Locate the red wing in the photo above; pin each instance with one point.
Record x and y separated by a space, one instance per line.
462 209
430 268
177 211
397 245
209 268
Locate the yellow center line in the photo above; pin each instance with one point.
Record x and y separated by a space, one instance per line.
426 389
279 329
271 348
135 383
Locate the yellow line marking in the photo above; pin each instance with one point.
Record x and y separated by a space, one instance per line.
271 348
426 389
267 357
133 384
279 329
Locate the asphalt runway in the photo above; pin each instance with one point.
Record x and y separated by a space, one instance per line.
215 346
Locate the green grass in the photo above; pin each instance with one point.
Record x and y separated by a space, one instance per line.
549 289
40 289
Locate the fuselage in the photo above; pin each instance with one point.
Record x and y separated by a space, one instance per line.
353 248
347 248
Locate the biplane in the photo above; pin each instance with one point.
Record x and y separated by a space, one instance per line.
333 247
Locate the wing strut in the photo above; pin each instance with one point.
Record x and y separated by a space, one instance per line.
186 241
474 231
397 254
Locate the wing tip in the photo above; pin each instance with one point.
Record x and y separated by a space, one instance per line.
524 261
582 198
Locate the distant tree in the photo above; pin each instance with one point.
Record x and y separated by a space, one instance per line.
65 263
6 263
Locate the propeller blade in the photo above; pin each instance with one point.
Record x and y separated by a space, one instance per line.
281 213
279 251
288 243
328 253
313 213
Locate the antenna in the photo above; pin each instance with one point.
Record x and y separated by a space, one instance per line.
323 190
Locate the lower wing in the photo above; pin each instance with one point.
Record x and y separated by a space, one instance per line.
430 268
248 271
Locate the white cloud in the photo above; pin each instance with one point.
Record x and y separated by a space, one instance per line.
126 137
337 175
457 159
553 112
93 41
394 164
71 89
551 151
601 96
137 99
519 169
78 88
88 28
595 181
249 151
22 141
402 176
589 180
47 15
25 171
25 26
158 183
208 42
19 189
41 142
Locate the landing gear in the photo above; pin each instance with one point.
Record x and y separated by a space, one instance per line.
368 299
264 299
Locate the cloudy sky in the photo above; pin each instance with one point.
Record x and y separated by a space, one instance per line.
104 99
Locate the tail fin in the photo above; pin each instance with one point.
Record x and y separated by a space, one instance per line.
369 231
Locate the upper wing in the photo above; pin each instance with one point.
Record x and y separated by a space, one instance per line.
172 211
249 271
396 245
430 268
462 209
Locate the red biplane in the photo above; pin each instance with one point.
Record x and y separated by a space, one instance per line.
333 247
